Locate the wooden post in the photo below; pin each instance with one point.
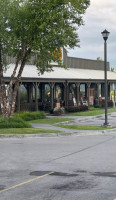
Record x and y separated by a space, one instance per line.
78 92
18 99
66 93
30 93
36 100
88 93
52 95
98 92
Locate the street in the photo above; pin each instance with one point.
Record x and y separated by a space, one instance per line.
58 168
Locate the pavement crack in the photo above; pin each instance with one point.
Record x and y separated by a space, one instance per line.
84 149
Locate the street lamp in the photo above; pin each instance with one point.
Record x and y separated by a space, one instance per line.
105 35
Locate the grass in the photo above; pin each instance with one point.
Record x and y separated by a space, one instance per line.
26 131
14 122
92 112
50 120
28 116
20 120
84 127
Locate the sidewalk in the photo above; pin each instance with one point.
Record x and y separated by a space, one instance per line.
76 120
90 120
80 120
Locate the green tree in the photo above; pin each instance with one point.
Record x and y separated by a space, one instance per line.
99 59
35 27
112 69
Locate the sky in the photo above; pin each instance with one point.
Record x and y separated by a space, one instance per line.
100 15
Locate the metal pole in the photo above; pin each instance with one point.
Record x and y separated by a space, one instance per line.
105 70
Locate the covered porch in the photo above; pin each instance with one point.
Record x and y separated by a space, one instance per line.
41 95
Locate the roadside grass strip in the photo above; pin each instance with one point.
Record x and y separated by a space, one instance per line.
16 131
85 127
92 112
50 121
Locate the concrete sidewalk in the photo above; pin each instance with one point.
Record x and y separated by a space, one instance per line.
80 120
90 120
76 120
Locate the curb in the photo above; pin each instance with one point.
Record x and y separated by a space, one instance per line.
76 133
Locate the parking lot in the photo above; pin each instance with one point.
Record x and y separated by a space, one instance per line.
58 168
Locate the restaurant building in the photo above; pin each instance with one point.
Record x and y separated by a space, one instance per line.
81 83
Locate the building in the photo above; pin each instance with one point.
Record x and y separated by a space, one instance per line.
81 83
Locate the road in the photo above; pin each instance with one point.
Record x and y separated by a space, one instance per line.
58 168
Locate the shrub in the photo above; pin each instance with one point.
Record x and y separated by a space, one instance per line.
58 111
98 106
28 116
51 111
77 108
110 103
14 122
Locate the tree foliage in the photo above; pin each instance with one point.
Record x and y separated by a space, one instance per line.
112 69
35 27
99 59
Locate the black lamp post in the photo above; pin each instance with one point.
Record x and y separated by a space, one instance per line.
105 35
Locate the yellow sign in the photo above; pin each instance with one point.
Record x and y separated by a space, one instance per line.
57 54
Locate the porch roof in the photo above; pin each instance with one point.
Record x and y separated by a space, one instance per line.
30 72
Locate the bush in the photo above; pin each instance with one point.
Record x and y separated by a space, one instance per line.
14 122
58 111
51 111
110 104
28 116
77 108
98 106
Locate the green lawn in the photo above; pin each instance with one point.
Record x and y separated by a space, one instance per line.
26 131
84 127
92 112
50 120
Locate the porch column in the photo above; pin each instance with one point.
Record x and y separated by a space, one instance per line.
52 95
43 92
102 89
114 93
66 94
108 92
30 93
18 99
36 100
98 91
78 92
88 93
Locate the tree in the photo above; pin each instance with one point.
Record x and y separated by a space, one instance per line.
99 59
112 69
35 27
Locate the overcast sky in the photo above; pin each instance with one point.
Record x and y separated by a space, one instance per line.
100 15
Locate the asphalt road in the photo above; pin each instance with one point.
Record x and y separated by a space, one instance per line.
58 168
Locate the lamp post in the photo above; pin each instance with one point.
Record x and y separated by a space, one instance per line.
105 35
